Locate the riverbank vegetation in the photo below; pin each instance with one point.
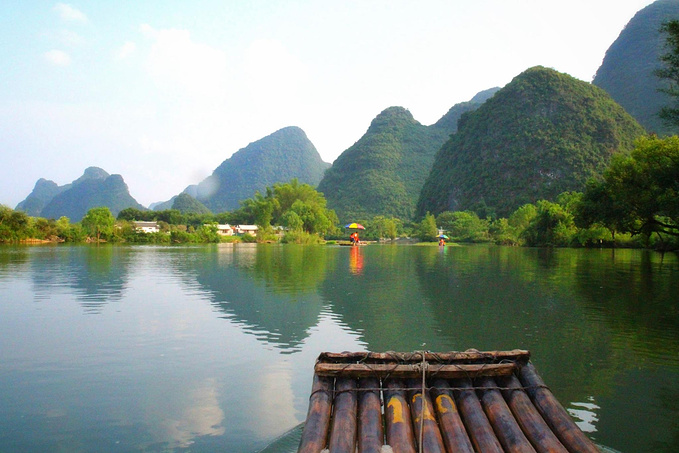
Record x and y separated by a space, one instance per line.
634 204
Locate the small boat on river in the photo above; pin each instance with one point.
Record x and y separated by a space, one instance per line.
430 402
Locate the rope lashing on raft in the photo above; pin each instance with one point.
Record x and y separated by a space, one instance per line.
422 368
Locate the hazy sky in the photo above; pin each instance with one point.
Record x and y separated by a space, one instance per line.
162 92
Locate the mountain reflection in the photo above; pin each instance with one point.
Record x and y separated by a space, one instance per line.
271 290
97 274
382 302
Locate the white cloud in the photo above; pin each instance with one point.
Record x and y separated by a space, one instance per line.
69 38
58 57
176 61
126 50
69 13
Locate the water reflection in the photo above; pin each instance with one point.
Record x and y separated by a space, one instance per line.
384 306
356 261
270 290
585 415
212 347
97 274
192 413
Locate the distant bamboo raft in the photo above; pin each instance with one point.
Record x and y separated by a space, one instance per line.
435 403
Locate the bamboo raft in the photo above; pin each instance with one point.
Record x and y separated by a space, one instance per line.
427 402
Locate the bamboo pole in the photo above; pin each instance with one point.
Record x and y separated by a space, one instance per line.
403 371
570 435
479 429
452 429
343 433
370 427
424 422
315 433
399 427
506 428
416 357
528 417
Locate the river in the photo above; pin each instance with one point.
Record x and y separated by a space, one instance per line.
211 347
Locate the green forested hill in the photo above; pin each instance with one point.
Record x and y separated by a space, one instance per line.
186 204
95 188
42 193
450 119
626 72
279 157
383 172
542 134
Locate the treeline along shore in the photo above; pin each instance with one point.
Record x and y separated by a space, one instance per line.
634 204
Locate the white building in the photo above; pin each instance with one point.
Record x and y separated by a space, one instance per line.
146 227
225 230
245 229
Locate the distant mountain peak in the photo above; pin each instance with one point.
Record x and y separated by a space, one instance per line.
383 172
92 173
93 189
279 157
627 69
392 117
483 96
542 134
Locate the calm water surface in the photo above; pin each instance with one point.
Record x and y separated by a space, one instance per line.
211 348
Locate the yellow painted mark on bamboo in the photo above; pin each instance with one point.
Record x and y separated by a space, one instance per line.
444 408
425 408
397 409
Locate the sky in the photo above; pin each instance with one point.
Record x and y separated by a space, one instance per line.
163 91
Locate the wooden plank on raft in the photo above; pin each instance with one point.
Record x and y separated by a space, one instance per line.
416 357
315 434
528 417
554 414
452 429
504 424
398 425
481 433
343 432
422 412
370 426
403 371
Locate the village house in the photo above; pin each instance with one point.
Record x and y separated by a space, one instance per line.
225 230
245 229
146 227
237 230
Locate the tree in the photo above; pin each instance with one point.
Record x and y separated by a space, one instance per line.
445 220
260 210
599 206
521 219
427 230
135 214
670 71
292 221
467 226
297 206
171 216
552 226
13 224
645 187
98 222
383 227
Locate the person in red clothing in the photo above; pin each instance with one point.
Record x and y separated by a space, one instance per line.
354 238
